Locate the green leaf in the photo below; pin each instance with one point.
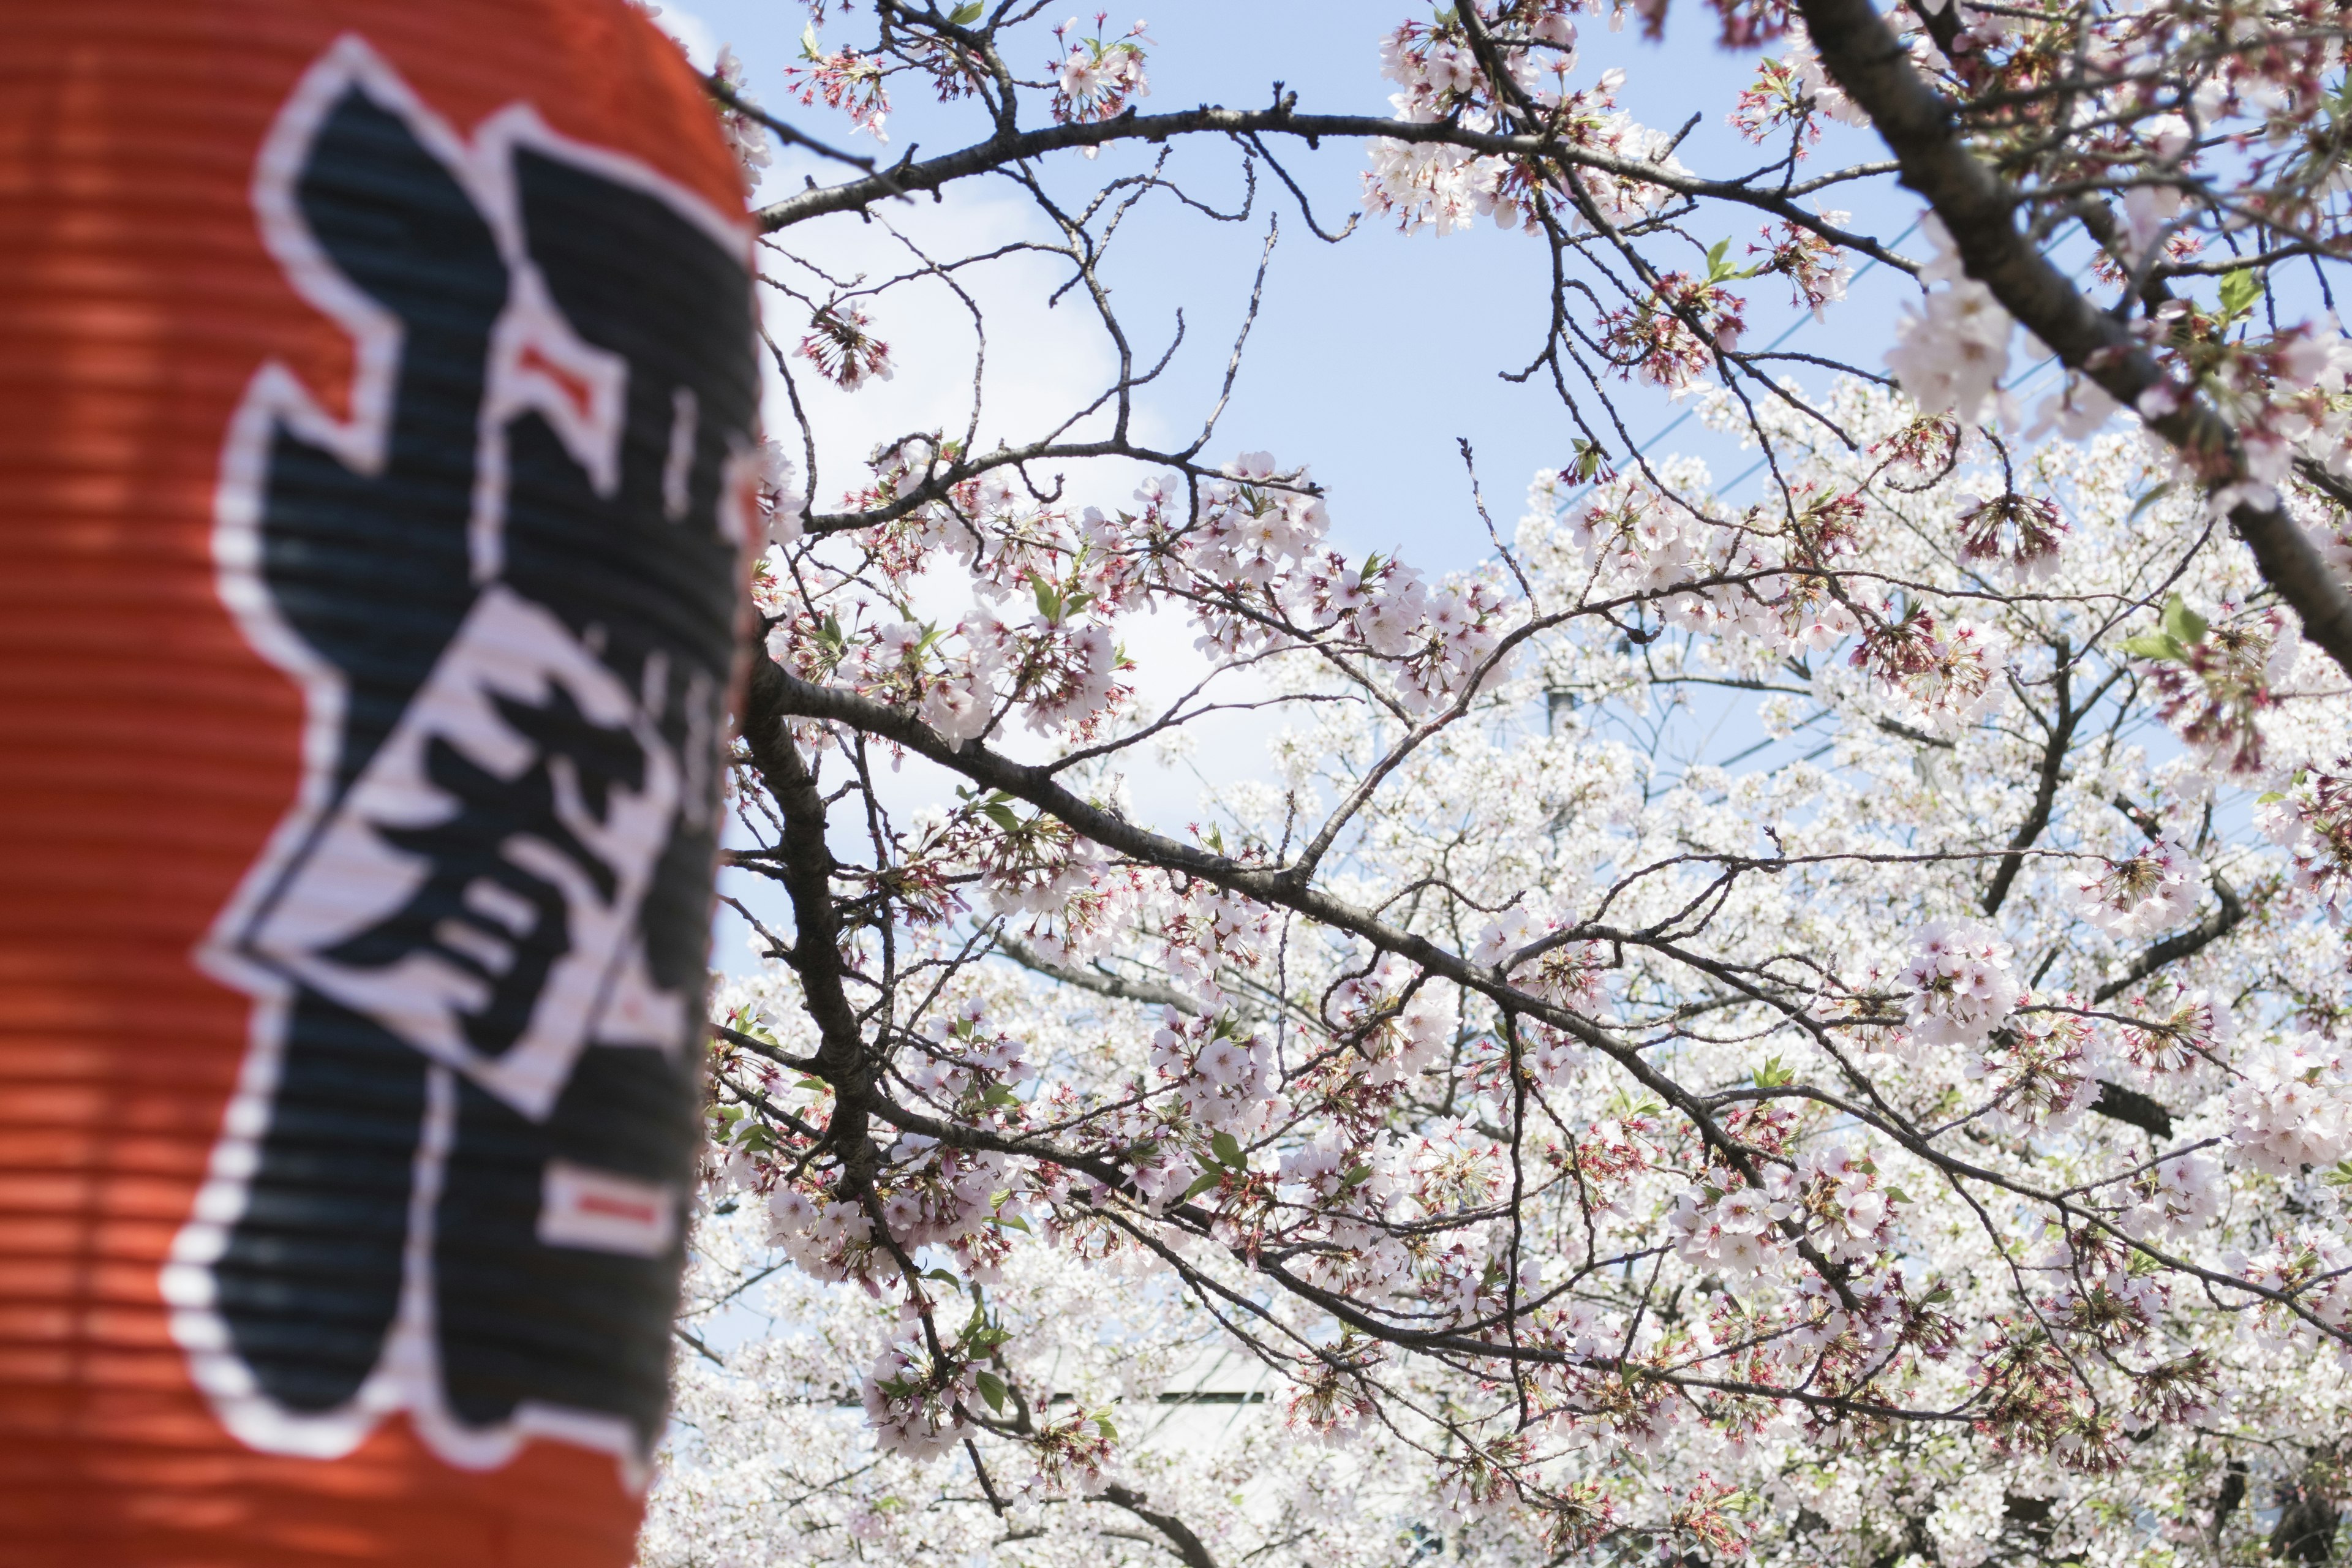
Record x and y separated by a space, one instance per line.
1202 1183
1773 1074
1228 1150
944 1278
1357 1176
965 15
1001 814
2150 499
1102 1425
1897 1195
1716 267
2239 289
2155 645
991 1387
1011 1222
1049 602
997 1094
2182 622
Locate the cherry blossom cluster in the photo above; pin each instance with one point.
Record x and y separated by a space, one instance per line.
746 137
2311 819
2146 894
1960 983
2292 1105
1095 78
843 352
1431 185
1792 984
848 81
1951 350
2037 1067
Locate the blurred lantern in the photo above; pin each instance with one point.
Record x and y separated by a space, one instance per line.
376 392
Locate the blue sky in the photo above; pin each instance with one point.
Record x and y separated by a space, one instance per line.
1369 358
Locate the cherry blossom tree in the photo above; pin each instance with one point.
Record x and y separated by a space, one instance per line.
1492 1129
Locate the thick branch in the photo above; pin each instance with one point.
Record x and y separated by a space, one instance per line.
2129 1105
1978 209
841 1058
2180 945
1150 992
1003 150
1180 1538
2045 795
1284 889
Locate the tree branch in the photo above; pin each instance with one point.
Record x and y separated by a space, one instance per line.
1151 992
2045 792
1978 209
2180 945
1180 1538
907 176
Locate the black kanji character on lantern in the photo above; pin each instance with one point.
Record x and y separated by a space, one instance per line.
482 911
453 1182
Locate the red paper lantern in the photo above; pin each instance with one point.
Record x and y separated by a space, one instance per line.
376 398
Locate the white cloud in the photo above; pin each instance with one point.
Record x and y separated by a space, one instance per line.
693 34
1042 363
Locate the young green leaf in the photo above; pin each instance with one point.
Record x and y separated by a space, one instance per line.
1228 1150
991 1387
2183 623
2154 495
965 15
2155 645
2239 289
